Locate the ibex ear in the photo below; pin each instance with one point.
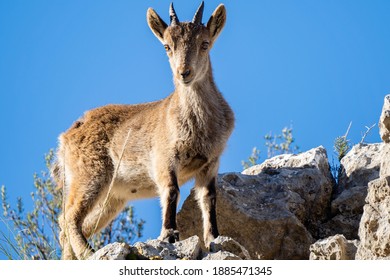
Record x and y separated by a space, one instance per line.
217 22
156 24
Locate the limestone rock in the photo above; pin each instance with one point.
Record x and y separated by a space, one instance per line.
315 157
225 248
189 248
113 251
228 244
350 201
335 247
346 224
221 255
273 213
374 230
360 166
385 162
156 249
384 121
346 211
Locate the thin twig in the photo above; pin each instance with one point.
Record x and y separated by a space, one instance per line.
346 133
366 133
111 183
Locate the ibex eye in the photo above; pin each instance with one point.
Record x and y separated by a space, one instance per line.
205 45
167 48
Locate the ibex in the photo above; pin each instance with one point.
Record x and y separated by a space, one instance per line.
118 153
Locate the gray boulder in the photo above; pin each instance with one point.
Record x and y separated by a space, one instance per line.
220 255
228 244
160 250
374 230
275 211
113 251
335 247
384 120
360 166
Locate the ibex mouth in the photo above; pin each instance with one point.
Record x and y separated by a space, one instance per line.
186 82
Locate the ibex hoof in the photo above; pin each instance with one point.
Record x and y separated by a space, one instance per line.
174 237
209 244
169 235
211 247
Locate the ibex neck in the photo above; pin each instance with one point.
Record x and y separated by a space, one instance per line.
203 91
198 101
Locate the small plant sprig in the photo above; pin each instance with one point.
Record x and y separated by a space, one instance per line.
342 145
276 145
281 143
252 159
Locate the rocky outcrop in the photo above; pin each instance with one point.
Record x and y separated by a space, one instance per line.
336 247
346 211
385 161
374 230
360 166
384 120
188 249
273 210
225 248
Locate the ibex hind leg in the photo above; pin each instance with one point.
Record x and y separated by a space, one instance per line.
102 215
80 202
67 251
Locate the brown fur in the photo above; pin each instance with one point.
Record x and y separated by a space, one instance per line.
164 144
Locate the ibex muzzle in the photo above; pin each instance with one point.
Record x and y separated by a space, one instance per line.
118 153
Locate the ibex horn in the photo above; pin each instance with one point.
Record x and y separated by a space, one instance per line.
172 15
199 14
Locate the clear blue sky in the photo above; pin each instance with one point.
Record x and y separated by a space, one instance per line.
314 64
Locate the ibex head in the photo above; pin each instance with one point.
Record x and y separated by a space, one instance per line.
188 43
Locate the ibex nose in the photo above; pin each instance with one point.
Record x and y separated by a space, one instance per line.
185 73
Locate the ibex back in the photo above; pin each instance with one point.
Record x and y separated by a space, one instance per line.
118 153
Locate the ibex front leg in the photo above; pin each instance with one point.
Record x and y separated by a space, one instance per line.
205 187
169 196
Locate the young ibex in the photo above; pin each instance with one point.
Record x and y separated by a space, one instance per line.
118 153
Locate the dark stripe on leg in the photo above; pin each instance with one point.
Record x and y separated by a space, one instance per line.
212 195
170 212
